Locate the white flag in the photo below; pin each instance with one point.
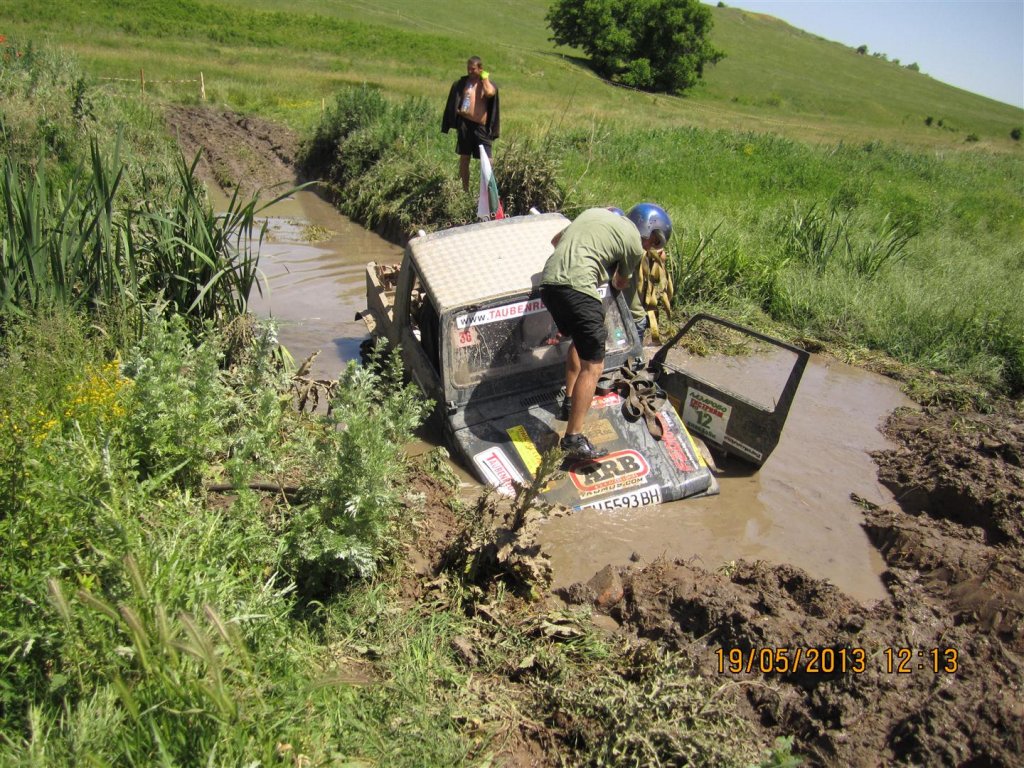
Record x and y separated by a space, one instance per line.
488 204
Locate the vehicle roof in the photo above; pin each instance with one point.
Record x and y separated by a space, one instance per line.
477 262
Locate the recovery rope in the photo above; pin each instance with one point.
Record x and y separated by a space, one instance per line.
655 289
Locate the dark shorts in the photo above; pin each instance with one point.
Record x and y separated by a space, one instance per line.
469 137
579 316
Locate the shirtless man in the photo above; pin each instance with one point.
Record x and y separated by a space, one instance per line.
472 110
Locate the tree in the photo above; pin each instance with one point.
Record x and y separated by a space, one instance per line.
653 45
862 50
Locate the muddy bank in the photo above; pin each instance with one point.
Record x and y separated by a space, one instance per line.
933 676
238 152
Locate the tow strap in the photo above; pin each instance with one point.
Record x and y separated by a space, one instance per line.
642 398
655 289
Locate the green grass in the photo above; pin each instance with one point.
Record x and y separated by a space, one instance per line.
256 57
753 149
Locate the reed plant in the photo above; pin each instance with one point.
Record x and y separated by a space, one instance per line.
76 243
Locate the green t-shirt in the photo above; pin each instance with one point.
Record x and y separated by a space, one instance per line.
591 248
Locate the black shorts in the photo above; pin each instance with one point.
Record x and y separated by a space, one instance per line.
579 316
469 137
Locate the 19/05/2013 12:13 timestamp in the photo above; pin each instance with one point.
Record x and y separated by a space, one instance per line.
832 661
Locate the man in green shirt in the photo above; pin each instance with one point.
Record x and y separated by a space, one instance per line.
599 246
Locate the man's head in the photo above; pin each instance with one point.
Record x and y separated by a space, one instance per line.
474 66
654 224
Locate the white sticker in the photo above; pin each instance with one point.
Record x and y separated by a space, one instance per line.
705 415
499 471
466 338
642 497
744 448
506 311
496 314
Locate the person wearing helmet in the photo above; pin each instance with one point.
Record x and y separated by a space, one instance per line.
636 306
599 246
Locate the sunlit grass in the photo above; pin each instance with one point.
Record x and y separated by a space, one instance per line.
774 79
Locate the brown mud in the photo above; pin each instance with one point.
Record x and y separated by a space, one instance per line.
865 690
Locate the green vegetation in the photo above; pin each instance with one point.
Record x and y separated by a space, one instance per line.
257 58
923 179
653 45
143 621
389 169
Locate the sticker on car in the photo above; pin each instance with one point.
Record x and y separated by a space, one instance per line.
616 470
706 415
498 470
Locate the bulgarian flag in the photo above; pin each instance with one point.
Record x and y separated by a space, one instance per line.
488 205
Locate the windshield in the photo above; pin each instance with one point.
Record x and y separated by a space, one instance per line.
515 338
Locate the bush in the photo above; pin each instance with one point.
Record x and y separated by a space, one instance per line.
1015 134
653 45
347 527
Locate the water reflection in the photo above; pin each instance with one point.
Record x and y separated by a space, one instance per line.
313 261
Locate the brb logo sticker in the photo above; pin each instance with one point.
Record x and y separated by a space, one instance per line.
616 470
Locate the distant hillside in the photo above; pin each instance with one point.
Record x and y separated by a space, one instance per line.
281 63
773 68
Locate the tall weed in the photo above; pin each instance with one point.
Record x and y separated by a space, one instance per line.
348 526
818 238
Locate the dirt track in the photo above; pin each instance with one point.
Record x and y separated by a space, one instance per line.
953 548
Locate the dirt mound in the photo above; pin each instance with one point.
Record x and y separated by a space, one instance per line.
240 152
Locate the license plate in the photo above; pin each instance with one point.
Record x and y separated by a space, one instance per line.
642 497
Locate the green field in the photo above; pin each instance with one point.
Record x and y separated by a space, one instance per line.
791 143
256 57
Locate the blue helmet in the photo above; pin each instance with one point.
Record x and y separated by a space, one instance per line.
652 221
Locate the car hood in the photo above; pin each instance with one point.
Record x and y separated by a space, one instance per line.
639 470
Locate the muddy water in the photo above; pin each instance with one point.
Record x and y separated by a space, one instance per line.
314 263
796 509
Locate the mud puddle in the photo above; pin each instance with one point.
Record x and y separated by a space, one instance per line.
795 510
313 261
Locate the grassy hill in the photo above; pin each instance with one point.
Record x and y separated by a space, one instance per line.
256 57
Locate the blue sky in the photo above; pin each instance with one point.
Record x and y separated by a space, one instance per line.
977 45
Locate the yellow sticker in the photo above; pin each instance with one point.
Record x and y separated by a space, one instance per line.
693 446
525 448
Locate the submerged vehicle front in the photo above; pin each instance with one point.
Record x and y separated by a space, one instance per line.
501 363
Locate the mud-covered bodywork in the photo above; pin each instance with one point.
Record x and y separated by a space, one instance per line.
505 365
465 310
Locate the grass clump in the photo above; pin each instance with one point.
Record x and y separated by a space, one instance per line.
355 471
647 709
